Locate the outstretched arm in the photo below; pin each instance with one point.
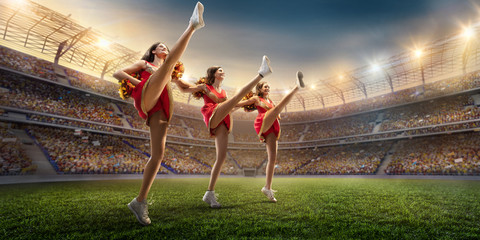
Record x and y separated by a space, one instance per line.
249 101
186 87
125 73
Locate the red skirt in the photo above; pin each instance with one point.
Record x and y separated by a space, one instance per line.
164 103
207 111
260 129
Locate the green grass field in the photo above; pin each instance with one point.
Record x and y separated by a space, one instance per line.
312 208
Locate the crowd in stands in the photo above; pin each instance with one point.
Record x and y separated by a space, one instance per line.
444 129
455 154
13 158
136 133
177 127
248 158
374 136
355 125
244 137
240 114
289 133
88 153
87 82
186 110
190 141
207 156
43 97
292 132
357 159
142 146
68 122
433 112
26 63
91 153
179 158
350 122
197 128
94 109
137 122
36 96
289 160
453 85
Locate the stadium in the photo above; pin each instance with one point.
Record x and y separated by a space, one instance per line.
388 150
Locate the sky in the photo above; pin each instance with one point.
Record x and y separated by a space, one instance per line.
322 38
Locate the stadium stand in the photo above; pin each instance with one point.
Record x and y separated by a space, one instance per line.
423 118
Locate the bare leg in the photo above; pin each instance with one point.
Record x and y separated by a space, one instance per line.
223 109
271 143
162 76
273 113
158 137
221 142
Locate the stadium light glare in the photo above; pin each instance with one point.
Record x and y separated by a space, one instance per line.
186 76
375 67
468 32
103 43
312 86
18 1
418 53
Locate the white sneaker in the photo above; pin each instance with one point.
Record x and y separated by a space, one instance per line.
269 194
265 68
211 199
140 209
300 83
197 17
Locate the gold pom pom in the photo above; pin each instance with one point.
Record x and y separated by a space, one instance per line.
178 70
126 88
199 94
251 107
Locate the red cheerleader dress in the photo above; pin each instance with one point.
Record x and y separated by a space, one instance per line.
209 108
263 108
164 103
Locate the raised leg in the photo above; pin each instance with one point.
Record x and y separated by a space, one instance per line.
273 113
162 76
223 109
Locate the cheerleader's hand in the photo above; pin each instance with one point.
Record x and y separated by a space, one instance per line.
203 88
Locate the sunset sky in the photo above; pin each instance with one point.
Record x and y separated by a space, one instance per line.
321 38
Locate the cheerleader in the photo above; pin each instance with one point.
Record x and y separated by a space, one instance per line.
216 114
266 124
153 100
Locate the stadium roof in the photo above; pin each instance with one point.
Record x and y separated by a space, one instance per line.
38 28
56 35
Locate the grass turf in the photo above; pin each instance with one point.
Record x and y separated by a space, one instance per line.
311 208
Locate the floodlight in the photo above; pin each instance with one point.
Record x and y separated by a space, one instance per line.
103 43
418 53
468 32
